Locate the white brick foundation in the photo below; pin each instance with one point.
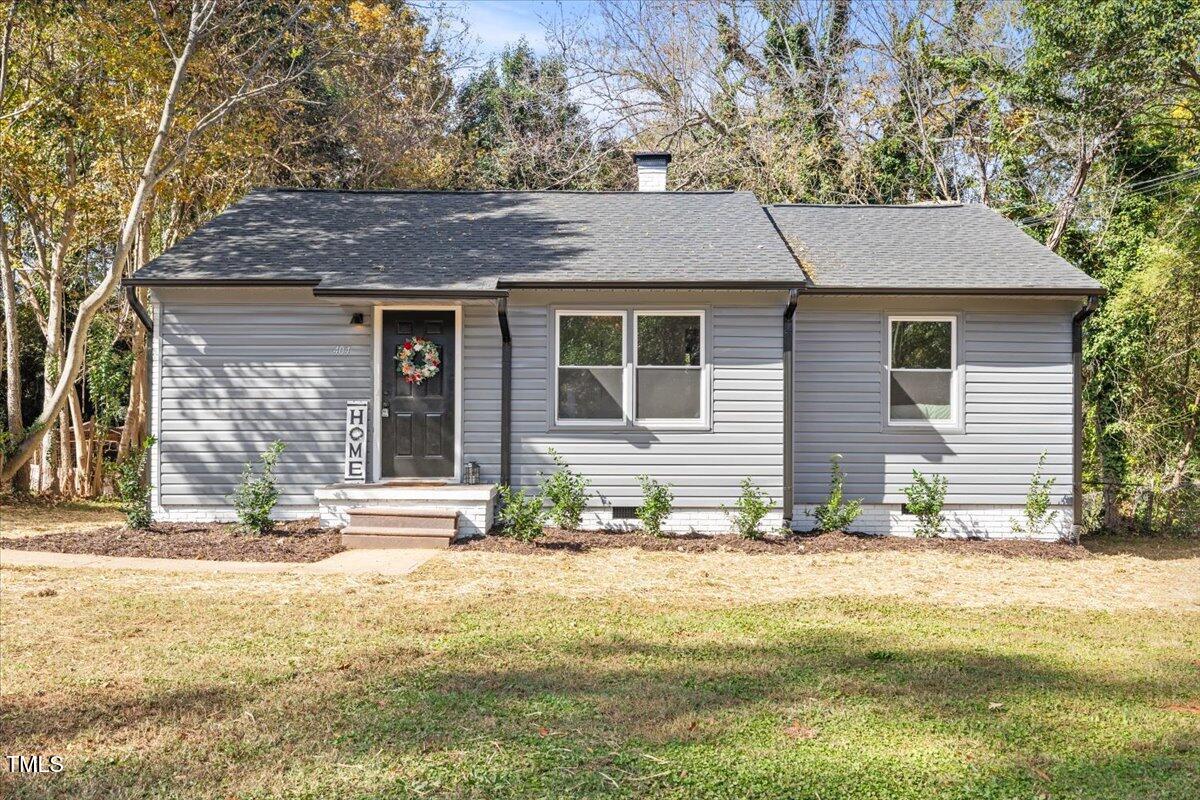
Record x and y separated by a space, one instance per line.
209 514
681 520
962 521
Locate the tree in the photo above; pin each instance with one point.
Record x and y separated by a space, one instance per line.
250 60
521 129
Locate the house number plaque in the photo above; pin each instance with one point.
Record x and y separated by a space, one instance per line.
357 413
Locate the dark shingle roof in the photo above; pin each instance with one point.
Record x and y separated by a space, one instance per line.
475 241
969 247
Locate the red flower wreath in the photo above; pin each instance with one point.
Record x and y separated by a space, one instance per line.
417 360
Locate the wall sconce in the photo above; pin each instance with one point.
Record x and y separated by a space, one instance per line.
356 318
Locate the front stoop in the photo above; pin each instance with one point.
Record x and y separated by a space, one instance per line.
473 504
383 527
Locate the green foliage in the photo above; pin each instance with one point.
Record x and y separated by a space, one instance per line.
109 363
835 514
133 488
1038 515
256 495
566 491
926 497
521 516
656 504
749 510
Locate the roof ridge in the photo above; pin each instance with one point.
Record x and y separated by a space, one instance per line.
300 189
871 205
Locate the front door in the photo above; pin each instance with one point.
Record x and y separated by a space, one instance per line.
417 418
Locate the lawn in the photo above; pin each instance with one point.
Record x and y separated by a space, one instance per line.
616 673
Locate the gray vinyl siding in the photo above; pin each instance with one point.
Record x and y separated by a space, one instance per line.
704 467
1015 386
239 368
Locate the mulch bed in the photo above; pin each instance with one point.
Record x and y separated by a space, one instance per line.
556 540
301 540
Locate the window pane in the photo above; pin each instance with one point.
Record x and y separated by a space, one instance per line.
589 393
590 341
920 396
668 393
921 345
668 341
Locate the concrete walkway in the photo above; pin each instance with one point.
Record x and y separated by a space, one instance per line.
348 562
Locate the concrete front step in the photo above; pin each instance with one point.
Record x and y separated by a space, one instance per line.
353 540
384 518
377 527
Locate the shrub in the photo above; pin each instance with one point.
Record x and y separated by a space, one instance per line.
835 514
925 499
1038 515
133 489
521 515
656 504
255 497
566 491
749 510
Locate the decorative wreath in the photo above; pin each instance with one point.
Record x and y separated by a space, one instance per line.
417 359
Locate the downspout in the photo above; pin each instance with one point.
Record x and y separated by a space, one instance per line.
789 454
505 392
1077 321
139 309
143 316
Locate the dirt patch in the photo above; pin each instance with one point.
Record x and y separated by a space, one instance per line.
26 516
557 540
301 540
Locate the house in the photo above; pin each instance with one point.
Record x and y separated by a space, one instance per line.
698 337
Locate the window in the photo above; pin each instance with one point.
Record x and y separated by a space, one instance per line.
669 363
921 363
591 366
665 365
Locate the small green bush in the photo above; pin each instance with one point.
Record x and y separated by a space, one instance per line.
835 514
255 497
1038 515
521 516
566 491
925 499
133 489
656 504
749 510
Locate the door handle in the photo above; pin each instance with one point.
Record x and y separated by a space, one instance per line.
385 412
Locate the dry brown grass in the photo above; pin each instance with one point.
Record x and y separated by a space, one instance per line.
486 674
34 518
1123 580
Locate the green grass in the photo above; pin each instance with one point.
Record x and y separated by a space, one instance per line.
160 686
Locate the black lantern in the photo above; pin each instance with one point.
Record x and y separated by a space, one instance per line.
472 476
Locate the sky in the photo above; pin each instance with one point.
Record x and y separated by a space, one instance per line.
496 23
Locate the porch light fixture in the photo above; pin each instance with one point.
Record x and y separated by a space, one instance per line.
356 318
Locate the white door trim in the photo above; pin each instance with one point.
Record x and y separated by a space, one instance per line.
377 382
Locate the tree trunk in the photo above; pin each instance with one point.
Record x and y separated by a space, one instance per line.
12 356
91 305
1066 208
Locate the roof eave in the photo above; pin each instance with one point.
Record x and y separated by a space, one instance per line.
677 284
1045 291
186 282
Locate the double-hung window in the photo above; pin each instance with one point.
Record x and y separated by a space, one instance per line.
591 367
921 368
669 363
630 367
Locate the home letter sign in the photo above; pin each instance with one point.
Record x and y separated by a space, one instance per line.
356 440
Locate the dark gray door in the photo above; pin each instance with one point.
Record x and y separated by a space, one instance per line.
418 418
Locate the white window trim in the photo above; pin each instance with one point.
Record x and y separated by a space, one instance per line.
701 368
955 402
623 366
